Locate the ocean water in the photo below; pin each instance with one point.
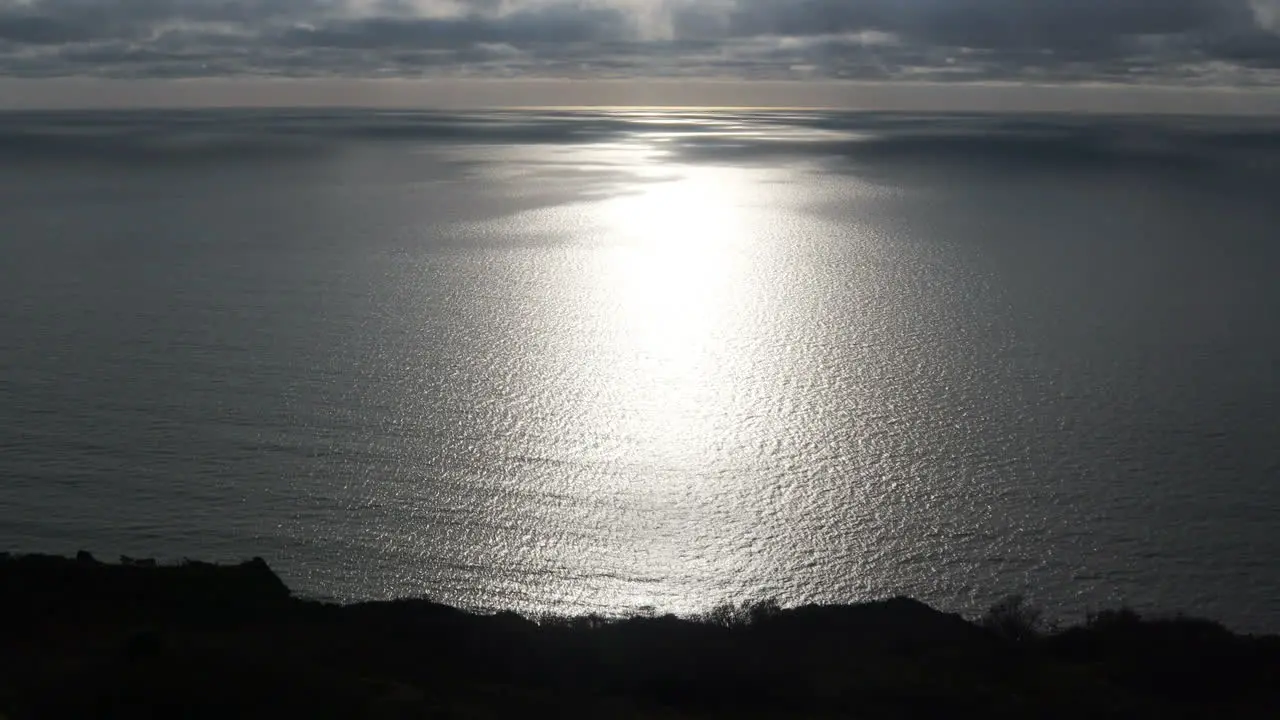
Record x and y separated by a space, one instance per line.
611 360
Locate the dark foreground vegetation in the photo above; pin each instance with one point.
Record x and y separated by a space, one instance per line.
84 639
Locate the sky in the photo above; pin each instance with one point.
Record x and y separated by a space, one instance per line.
1163 54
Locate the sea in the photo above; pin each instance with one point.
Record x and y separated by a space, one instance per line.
625 361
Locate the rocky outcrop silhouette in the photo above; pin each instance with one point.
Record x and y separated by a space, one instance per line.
38 585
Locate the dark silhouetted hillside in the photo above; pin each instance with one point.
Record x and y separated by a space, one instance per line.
83 638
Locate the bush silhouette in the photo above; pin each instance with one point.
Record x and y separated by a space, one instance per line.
1013 619
1111 619
744 614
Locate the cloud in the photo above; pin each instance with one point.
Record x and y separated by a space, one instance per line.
555 24
1233 42
987 23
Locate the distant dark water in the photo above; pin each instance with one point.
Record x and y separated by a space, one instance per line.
600 361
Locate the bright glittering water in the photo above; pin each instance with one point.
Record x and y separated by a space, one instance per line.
593 362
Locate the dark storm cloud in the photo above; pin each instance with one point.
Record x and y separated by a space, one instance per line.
988 23
1218 41
556 24
1256 49
56 21
983 39
38 30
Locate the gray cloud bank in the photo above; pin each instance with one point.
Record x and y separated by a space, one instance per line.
1193 42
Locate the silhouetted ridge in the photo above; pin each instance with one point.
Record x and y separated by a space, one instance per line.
195 640
52 585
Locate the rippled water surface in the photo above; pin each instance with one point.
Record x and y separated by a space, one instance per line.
594 362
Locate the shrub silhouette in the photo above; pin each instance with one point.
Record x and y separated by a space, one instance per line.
1013 619
1111 619
745 614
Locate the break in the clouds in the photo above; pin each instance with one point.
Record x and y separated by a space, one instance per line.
1217 42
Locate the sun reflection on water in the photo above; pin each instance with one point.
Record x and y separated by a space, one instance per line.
656 388
671 280
672 286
